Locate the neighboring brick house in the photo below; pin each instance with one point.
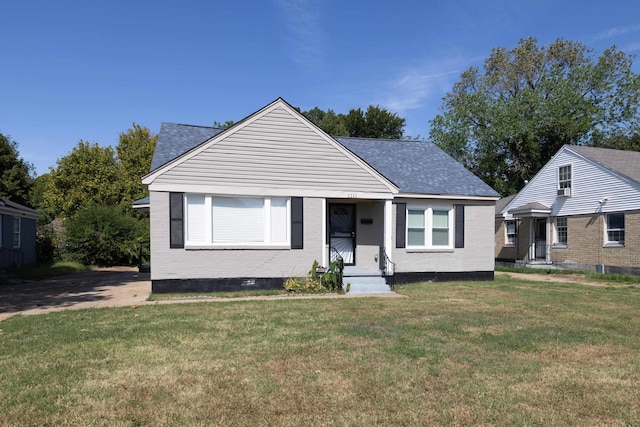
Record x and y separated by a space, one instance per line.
581 210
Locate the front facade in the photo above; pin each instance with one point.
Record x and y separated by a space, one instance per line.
264 199
17 234
582 210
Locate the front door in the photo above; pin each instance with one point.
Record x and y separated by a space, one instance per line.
342 231
541 238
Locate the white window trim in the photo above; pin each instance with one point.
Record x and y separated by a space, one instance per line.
506 232
208 243
13 232
428 227
614 243
570 187
556 234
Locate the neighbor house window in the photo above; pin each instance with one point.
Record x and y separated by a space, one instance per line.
16 232
510 230
561 231
615 229
213 220
564 178
429 227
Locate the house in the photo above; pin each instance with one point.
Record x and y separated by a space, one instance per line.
261 200
580 211
17 234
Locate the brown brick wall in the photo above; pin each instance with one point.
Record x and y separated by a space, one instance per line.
520 251
585 242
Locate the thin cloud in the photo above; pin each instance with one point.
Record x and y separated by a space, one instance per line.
304 37
418 85
616 31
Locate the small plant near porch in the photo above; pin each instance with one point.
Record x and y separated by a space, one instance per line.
320 279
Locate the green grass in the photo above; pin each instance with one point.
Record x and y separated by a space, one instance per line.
43 271
235 294
590 275
466 353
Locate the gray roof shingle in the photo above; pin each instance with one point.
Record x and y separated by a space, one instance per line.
625 162
417 167
414 166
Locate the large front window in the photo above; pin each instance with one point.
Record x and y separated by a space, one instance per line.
429 227
615 229
213 220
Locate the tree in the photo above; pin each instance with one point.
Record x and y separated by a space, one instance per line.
506 122
135 152
225 125
15 173
88 175
376 122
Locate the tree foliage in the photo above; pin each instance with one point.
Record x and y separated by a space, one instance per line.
375 122
15 173
135 152
506 122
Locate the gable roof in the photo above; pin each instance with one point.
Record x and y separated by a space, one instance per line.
418 167
624 162
414 167
502 203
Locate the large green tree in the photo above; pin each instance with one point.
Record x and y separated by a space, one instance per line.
506 121
375 122
15 172
135 152
87 176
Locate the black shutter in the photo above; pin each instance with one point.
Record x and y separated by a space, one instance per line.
297 226
459 225
401 225
176 220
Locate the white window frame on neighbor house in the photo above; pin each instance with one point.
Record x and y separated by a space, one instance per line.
561 229
510 237
565 177
414 226
17 231
610 232
227 221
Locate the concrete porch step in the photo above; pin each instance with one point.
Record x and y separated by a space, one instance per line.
366 285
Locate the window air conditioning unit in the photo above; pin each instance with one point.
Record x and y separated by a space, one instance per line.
564 192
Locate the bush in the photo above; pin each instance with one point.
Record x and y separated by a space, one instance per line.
104 235
305 285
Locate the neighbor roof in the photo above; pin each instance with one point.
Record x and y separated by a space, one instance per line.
624 162
13 208
413 166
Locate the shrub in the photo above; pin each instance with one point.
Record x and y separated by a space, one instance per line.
104 235
304 284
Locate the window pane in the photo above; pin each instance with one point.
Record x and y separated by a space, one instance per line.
238 220
440 237
511 227
279 223
416 219
615 221
196 218
415 237
16 232
440 219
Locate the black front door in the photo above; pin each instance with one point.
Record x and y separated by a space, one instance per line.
541 238
342 231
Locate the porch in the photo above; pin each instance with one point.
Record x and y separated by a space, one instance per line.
533 234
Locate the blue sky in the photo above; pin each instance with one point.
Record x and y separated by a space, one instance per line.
86 70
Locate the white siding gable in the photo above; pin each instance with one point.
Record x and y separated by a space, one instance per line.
591 183
277 152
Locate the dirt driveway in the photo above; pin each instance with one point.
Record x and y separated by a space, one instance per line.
102 287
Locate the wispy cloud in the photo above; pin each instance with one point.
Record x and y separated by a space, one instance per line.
616 31
417 85
304 36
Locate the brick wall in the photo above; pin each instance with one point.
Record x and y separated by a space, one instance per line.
585 242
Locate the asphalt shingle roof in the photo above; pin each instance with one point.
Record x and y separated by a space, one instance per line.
624 162
414 166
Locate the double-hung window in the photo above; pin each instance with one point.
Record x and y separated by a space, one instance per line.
429 227
16 232
614 234
221 221
561 231
564 180
510 230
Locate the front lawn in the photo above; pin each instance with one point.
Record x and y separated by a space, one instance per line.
466 353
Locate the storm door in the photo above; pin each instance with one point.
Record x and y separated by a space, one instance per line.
342 231
541 238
